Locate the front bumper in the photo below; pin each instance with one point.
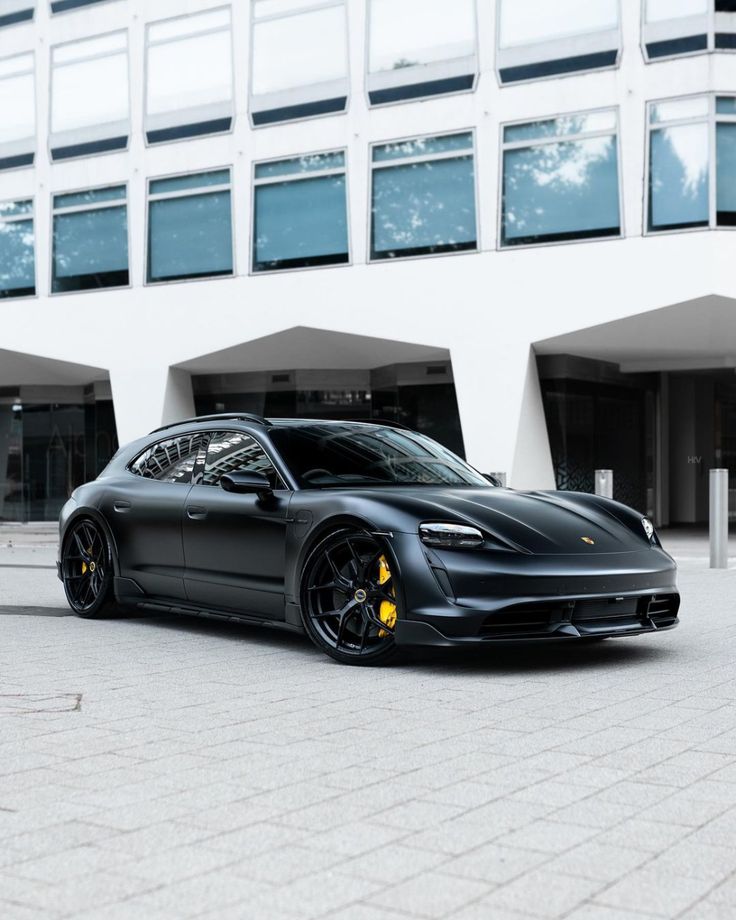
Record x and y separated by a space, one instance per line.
474 597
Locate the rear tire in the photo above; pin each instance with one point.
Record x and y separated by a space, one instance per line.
350 598
87 570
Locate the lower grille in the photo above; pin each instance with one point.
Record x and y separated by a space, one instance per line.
518 621
590 616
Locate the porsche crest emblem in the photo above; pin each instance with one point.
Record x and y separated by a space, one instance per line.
589 540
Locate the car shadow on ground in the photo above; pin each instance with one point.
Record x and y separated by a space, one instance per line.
544 657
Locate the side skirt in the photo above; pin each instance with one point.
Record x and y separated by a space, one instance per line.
229 616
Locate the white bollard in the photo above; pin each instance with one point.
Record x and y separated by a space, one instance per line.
719 519
604 483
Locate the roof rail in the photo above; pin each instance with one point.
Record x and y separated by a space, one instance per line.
384 422
220 417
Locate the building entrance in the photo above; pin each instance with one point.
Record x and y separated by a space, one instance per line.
52 439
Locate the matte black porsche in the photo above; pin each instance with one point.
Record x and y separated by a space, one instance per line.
366 536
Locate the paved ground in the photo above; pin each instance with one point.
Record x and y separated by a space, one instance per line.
154 767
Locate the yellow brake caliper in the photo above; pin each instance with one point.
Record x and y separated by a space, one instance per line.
387 613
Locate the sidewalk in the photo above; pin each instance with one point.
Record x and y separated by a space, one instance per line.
159 767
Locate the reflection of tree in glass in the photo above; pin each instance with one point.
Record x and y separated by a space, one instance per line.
561 172
424 204
688 146
16 255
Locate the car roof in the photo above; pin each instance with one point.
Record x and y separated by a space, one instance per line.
246 419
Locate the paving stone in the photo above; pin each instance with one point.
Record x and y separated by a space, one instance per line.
221 772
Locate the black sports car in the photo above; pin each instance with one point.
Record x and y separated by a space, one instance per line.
365 536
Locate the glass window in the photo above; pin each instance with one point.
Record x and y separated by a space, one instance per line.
300 213
540 39
14 11
17 253
17 111
189 76
172 460
299 63
423 197
89 96
234 451
673 27
61 6
560 180
189 227
420 48
90 240
679 167
726 161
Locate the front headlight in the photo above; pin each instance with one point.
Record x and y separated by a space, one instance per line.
450 535
648 528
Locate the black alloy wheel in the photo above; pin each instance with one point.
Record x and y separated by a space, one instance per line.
350 598
86 570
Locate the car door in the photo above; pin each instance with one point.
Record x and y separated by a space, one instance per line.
234 545
145 510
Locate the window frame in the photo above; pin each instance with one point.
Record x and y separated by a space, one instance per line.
712 119
556 140
86 154
296 96
297 177
52 213
198 463
146 76
267 450
447 155
568 51
16 218
189 193
434 72
34 149
16 17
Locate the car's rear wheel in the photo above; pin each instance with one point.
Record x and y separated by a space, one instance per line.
87 571
350 598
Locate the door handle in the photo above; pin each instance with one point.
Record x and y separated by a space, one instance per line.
122 507
195 513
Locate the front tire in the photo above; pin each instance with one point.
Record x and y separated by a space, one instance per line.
87 570
350 598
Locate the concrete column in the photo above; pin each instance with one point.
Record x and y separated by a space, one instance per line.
147 397
501 412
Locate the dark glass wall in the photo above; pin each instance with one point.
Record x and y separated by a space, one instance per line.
47 450
600 420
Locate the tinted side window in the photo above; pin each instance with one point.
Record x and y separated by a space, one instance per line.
229 451
172 460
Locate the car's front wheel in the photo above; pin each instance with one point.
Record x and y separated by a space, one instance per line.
350 598
87 571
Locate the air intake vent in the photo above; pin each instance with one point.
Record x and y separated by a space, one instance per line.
663 610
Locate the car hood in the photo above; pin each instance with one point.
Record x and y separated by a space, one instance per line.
532 522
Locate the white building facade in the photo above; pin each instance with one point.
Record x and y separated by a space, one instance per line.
506 223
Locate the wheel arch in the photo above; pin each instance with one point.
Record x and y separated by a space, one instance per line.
322 530
86 512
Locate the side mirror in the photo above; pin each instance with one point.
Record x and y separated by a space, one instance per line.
247 484
494 480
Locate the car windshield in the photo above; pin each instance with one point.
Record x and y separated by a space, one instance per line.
333 455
